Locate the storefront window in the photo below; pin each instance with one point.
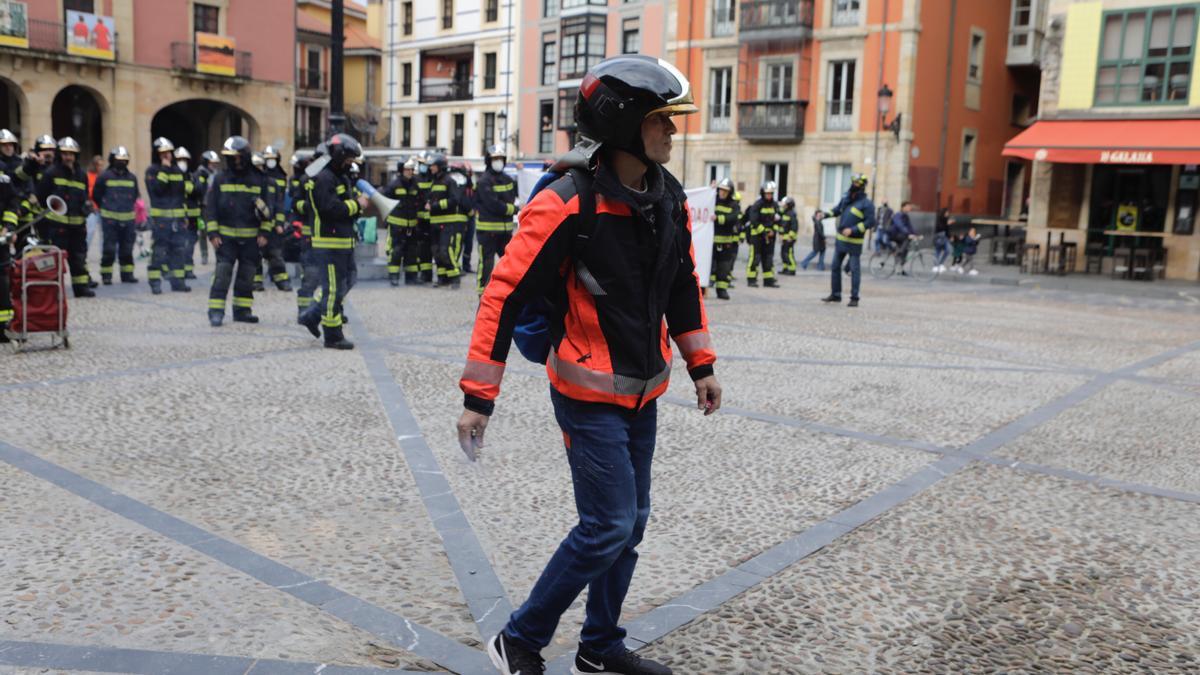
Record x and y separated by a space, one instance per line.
1129 197
1187 200
1146 57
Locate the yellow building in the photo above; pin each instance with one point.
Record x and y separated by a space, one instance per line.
361 86
1116 148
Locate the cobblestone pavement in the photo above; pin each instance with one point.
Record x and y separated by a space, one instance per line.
950 478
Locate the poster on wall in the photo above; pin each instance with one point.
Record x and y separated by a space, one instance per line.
90 35
215 54
14 24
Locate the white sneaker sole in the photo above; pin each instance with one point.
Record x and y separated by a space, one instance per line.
497 660
576 671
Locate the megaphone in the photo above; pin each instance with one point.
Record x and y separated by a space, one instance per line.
57 204
54 204
383 205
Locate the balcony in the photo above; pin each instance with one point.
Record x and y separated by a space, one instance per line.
50 37
439 91
771 121
1026 33
312 83
776 21
183 58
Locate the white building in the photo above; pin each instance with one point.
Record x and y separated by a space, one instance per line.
448 82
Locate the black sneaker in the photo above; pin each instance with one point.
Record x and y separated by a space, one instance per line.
588 662
832 298
853 302
512 659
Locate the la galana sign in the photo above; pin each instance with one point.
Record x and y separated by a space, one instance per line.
1126 157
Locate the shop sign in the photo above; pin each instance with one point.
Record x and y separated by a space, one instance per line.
90 35
1126 157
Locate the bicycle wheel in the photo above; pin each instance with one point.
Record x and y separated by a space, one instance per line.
920 267
882 266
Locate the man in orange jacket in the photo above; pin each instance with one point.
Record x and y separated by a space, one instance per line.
610 359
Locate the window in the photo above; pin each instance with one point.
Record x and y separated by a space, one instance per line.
839 107
975 58
87 6
489 70
550 8
491 11
845 12
631 37
431 122
456 142
572 4
966 173
315 124
406 132
715 171
546 128
779 82
835 180
206 19
312 70
447 14
406 80
720 108
778 172
489 130
406 13
566 108
549 58
723 17
1146 57
582 44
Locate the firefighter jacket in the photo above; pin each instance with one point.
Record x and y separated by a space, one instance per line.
636 269
301 210
334 210
238 204
194 200
404 191
789 228
115 192
10 208
279 183
424 185
855 212
495 197
71 185
763 217
448 202
168 188
727 221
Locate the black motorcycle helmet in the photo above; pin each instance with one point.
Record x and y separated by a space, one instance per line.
439 160
236 146
617 94
341 148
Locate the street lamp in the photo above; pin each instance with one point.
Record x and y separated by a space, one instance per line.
884 102
502 130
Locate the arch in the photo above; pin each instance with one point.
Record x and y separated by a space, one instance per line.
12 108
79 112
200 124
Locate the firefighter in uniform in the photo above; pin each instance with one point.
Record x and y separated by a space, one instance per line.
855 215
496 196
204 173
275 240
789 231
402 224
726 230
29 175
10 163
194 207
67 179
168 188
449 220
238 216
310 277
10 206
335 208
425 231
762 225
115 192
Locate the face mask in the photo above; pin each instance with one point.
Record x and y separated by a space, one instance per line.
423 170
271 164
182 165
497 165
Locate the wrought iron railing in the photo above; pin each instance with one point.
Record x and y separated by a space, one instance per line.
779 121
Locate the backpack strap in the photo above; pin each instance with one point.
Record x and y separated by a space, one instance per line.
585 226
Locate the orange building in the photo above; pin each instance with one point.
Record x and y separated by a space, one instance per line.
922 96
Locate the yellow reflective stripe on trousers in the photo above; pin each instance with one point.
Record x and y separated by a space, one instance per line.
402 222
333 242
246 232
116 215
329 319
168 213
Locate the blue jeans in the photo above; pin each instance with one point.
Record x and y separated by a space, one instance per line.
610 450
941 247
813 254
855 253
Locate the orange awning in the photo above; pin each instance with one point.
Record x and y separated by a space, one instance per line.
1109 142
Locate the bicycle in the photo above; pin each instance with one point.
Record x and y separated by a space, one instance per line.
917 264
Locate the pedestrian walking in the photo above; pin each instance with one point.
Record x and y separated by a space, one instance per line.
631 248
941 239
818 242
856 216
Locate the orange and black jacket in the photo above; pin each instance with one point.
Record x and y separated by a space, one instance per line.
633 285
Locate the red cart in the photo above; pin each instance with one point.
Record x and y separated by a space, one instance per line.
39 296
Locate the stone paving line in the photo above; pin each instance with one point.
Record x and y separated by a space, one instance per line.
712 594
393 628
477 580
147 662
